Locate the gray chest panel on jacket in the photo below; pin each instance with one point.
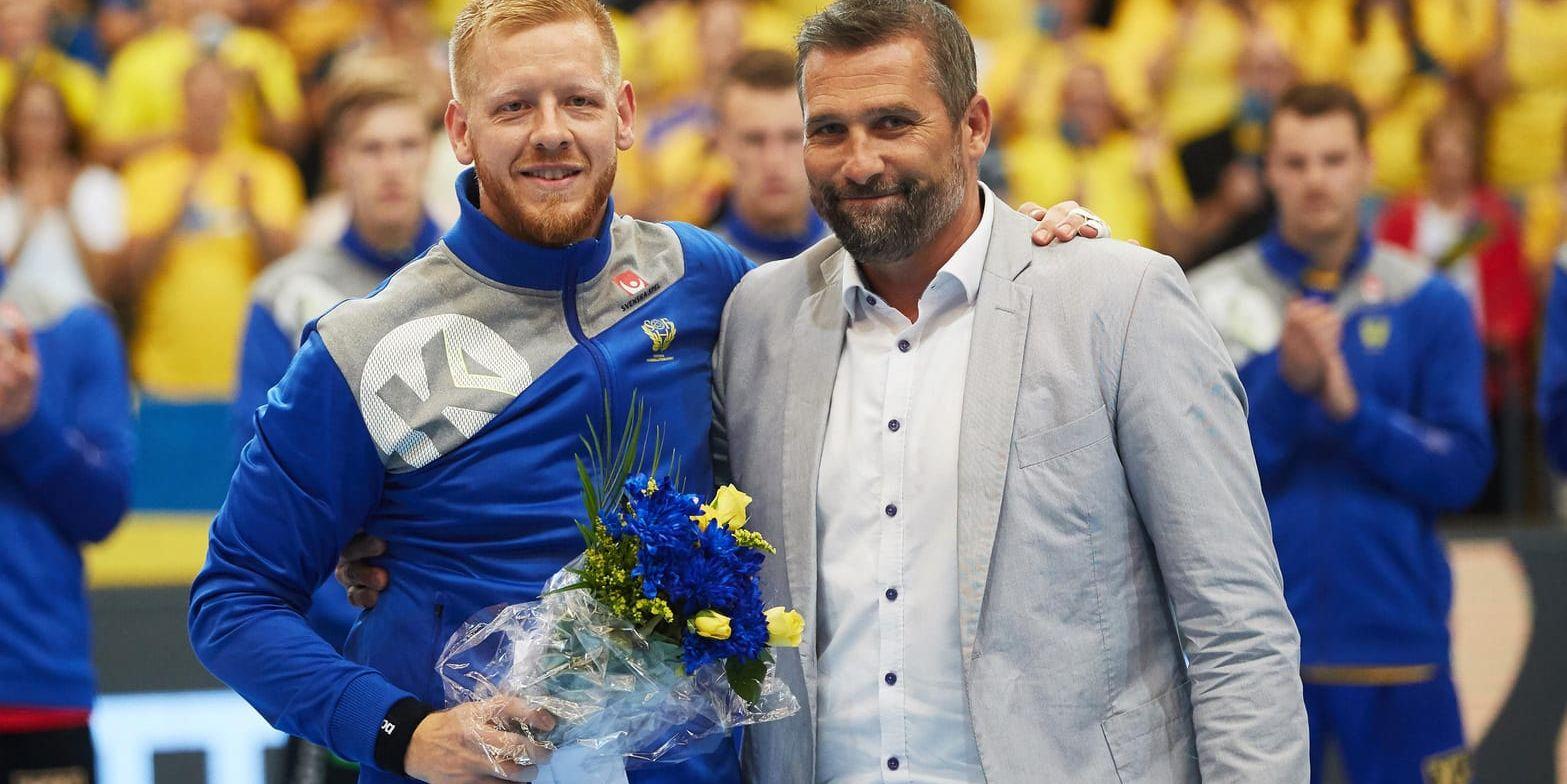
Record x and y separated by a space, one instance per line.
441 350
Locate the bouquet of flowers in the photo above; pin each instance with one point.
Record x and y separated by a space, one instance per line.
650 646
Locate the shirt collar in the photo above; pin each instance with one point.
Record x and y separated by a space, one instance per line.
356 245
967 265
493 253
768 247
1296 267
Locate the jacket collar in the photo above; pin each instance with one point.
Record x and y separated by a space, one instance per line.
382 261
1296 267
496 255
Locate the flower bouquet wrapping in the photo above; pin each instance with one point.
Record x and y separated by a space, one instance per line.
653 644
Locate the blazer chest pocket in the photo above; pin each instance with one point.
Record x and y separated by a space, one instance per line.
1061 440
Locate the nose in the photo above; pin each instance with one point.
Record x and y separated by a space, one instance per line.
864 162
551 135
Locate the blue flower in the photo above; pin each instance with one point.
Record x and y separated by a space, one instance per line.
694 569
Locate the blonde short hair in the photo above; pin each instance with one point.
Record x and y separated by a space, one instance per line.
480 15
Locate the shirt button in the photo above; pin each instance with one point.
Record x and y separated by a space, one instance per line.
892 763
903 345
891 679
870 300
892 594
894 425
891 510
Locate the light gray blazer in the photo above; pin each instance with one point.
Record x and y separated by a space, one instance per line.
1105 479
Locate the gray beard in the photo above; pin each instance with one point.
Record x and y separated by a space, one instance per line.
896 233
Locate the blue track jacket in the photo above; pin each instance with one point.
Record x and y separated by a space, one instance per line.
64 482
442 414
291 293
1354 504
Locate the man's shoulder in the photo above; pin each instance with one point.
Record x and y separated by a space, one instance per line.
1091 270
1242 263
795 277
308 282
431 284
1401 275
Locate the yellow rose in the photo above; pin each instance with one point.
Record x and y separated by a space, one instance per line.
712 625
727 509
784 627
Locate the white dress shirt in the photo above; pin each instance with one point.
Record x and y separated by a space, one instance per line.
891 705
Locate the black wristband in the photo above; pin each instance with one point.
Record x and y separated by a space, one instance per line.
397 732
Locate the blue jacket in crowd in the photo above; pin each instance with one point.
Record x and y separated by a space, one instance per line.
1354 504
64 482
442 413
1553 368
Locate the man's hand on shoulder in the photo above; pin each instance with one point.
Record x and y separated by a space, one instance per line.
1064 222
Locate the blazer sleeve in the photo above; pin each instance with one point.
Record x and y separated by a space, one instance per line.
1182 434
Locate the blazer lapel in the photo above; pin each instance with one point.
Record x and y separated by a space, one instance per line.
816 343
995 370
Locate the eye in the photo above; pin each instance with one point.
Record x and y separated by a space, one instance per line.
826 129
511 106
893 123
579 101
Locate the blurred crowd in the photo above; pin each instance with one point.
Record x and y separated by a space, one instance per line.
160 153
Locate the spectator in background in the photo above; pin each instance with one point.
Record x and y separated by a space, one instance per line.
1186 50
1526 79
204 214
1365 377
767 213
1224 168
691 46
1028 65
1545 221
1551 401
377 133
1467 232
1548 233
142 105
62 222
1133 180
65 459
25 53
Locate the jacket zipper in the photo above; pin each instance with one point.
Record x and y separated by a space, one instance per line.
574 325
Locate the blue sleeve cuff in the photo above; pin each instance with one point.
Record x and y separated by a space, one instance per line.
37 448
357 718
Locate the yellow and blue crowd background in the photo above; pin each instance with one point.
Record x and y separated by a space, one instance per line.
1148 111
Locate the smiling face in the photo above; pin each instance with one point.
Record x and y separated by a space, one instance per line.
888 166
541 115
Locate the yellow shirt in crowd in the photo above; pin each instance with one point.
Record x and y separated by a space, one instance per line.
77 82
1201 91
1028 69
1526 136
1046 170
1456 33
145 86
1545 223
187 331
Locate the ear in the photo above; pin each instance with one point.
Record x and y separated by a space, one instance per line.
457 132
976 127
626 111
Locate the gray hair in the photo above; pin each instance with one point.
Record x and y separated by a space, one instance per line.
855 25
